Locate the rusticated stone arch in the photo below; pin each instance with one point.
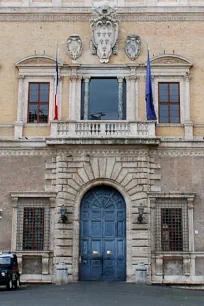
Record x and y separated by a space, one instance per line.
133 174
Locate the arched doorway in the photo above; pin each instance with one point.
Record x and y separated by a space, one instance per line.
103 235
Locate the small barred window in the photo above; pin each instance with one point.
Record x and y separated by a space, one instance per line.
171 229
33 225
33 228
171 226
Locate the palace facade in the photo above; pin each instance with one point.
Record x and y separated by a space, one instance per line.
102 188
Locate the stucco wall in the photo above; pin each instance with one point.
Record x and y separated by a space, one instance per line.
186 174
17 174
28 38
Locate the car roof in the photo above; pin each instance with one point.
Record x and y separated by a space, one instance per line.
7 255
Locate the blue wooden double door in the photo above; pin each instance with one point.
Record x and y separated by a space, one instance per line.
103 235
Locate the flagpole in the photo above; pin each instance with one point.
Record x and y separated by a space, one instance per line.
150 111
56 85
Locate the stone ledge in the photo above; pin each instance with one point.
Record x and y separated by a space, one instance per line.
103 141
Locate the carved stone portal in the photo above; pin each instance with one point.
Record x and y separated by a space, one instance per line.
105 28
74 46
132 46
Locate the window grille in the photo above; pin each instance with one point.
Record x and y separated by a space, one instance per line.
33 228
33 225
171 226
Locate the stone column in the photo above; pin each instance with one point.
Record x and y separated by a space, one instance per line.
86 98
73 92
187 118
19 123
120 98
78 99
72 97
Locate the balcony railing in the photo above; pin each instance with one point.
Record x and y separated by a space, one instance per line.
102 129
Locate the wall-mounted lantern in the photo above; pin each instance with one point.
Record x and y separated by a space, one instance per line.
1 210
141 212
63 214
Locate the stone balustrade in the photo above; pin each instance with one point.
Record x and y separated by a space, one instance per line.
102 129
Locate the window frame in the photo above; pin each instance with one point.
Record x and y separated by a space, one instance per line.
79 72
112 77
38 103
34 79
49 204
156 199
169 103
171 204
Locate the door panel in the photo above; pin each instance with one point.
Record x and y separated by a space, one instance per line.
103 235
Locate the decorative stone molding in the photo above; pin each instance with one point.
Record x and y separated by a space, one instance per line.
105 28
36 61
171 59
132 46
83 169
74 46
139 14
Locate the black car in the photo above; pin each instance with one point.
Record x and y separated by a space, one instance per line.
9 273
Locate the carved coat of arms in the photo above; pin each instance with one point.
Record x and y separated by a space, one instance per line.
74 46
105 28
132 46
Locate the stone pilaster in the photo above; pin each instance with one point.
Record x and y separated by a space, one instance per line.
188 124
86 98
120 98
18 131
73 92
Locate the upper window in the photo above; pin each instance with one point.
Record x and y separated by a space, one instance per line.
38 102
103 99
169 103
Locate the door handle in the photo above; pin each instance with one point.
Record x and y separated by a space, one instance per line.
82 261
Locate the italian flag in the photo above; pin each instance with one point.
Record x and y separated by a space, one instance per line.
56 100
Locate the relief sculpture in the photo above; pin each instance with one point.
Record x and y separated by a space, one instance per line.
132 46
74 46
105 28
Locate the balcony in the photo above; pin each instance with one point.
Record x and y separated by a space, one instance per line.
72 131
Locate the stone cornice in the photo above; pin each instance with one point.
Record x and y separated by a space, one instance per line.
140 14
172 194
33 194
103 141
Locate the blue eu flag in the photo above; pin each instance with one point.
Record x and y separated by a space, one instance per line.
151 115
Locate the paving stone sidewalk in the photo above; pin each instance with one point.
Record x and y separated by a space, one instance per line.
100 294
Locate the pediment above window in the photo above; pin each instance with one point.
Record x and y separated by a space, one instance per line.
171 60
37 60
